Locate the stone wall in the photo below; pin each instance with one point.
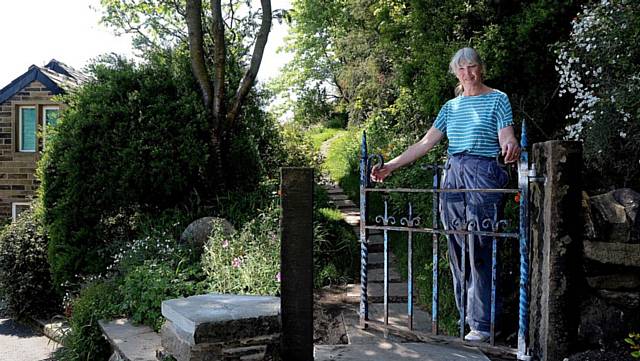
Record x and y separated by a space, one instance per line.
17 169
585 259
610 306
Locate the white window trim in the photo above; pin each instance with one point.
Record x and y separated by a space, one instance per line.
14 208
44 120
20 149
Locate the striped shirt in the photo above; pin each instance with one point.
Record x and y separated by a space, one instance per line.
471 123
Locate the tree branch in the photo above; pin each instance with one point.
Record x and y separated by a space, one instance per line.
219 60
196 50
252 72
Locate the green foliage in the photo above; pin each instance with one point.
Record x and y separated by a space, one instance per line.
132 140
342 161
145 287
84 341
335 249
595 66
319 135
24 273
634 343
246 262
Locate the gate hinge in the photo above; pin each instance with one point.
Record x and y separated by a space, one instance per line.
533 175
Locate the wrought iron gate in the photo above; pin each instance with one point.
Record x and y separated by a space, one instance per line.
410 224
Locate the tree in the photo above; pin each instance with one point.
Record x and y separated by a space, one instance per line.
161 23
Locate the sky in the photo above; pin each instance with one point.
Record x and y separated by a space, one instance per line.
36 31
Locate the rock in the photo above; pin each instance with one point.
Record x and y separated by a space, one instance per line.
614 216
615 281
603 322
621 254
624 300
198 232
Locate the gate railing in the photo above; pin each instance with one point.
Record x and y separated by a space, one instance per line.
410 224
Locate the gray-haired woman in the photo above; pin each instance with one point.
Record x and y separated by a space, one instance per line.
479 125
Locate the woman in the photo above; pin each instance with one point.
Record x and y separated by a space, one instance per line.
479 125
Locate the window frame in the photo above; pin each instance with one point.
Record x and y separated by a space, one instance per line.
20 120
14 209
44 121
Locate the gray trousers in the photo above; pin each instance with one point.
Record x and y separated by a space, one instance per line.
463 171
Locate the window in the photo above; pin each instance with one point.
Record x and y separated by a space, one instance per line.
27 129
49 119
17 208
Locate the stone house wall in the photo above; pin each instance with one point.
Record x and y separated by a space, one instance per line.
18 182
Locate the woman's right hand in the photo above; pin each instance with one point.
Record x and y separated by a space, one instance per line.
378 174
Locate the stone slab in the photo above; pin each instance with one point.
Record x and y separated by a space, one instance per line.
377 275
388 351
135 343
398 316
196 314
396 289
621 254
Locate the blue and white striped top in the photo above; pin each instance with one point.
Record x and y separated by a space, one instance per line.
472 122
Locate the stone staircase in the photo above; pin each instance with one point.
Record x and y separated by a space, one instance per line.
398 290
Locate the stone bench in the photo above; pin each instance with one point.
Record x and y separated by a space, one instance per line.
221 327
130 342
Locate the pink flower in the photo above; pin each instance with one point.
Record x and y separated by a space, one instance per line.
237 262
225 243
278 276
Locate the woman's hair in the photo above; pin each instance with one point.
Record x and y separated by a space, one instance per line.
465 56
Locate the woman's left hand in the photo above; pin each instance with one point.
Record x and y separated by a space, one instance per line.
510 152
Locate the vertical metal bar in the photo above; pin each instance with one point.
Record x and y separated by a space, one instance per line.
364 251
386 268
463 285
410 270
435 255
494 271
523 184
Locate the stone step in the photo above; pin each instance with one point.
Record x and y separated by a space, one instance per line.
338 197
129 342
347 203
333 189
376 290
377 275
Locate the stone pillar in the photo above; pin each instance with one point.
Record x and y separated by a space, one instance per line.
296 287
556 244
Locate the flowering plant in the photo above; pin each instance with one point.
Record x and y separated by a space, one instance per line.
599 67
246 262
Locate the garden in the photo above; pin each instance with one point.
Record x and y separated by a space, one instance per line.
145 148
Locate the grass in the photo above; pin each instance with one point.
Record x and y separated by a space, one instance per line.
319 135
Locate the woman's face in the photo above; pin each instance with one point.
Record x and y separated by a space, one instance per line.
469 74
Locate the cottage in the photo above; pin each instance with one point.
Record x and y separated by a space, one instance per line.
26 109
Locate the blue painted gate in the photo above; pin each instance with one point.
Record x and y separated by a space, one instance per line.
410 224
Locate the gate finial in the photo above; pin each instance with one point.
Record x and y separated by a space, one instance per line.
523 137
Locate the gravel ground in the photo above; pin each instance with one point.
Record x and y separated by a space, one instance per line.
20 343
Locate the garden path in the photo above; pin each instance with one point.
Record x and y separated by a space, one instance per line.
21 343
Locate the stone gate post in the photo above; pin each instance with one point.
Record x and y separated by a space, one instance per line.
296 287
556 227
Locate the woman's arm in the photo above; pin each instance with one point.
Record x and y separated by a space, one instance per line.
509 144
413 153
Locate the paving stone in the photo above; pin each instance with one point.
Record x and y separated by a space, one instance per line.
136 343
377 290
334 189
384 351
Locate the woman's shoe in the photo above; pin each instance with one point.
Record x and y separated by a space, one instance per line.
477 336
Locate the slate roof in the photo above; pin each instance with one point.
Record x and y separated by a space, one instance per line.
56 76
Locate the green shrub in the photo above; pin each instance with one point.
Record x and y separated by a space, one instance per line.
335 249
85 341
132 140
247 262
24 273
145 287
